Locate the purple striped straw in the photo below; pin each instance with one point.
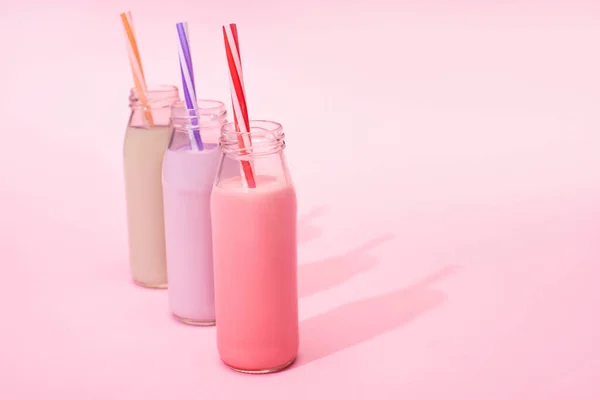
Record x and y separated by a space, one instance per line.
189 86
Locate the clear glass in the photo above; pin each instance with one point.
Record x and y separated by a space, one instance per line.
188 176
255 253
266 153
160 99
143 150
209 117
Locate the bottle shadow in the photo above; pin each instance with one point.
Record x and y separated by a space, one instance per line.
307 231
357 322
323 274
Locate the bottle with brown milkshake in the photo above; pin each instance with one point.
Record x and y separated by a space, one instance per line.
146 139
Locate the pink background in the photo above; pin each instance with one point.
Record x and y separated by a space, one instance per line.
446 160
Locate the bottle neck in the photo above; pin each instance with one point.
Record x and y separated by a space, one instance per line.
207 120
157 103
157 96
210 113
265 138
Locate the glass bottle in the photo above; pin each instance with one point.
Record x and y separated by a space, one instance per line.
188 177
255 253
146 140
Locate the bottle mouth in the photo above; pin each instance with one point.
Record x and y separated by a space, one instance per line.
206 108
265 138
208 114
258 127
157 96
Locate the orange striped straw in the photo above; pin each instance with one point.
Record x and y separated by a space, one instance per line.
136 66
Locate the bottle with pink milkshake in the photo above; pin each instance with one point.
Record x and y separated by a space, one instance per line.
255 252
188 174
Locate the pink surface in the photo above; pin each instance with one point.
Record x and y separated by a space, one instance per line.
463 139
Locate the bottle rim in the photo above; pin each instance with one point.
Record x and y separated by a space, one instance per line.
264 138
158 96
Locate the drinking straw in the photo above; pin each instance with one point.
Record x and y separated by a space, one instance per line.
238 99
136 66
189 86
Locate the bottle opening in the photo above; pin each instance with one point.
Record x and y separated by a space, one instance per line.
264 138
208 114
158 96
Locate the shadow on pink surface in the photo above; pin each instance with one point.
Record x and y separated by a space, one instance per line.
306 230
357 322
324 274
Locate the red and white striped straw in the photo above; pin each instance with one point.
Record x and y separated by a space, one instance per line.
238 99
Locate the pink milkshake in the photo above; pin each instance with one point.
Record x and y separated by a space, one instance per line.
187 179
255 256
